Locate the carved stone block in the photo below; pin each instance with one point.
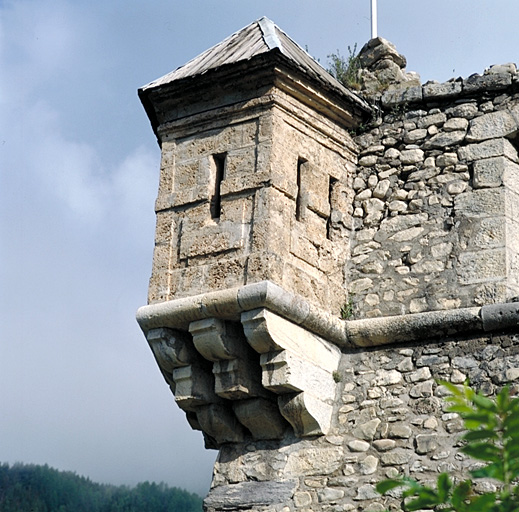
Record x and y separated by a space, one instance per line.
308 415
268 332
194 386
171 348
261 417
236 379
285 372
216 339
220 423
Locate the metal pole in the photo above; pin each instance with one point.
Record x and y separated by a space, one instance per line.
374 19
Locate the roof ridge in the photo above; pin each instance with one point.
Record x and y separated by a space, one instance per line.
268 29
222 43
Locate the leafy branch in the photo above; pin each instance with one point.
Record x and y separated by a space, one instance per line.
492 437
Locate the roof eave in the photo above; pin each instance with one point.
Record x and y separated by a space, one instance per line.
274 60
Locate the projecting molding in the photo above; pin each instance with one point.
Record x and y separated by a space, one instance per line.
254 360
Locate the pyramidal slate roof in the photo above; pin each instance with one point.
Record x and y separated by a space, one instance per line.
261 36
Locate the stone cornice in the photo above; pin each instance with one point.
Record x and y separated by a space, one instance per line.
230 303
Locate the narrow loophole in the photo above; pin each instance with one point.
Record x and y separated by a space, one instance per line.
299 198
331 185
219 175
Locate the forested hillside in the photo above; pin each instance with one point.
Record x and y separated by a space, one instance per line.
32 488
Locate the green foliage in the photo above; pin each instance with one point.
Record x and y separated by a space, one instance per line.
348 308
346 69
492 437
25 488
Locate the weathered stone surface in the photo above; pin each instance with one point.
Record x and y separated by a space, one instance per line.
387 378
330 495
384 445
379 49
389 226
492 82
400 431
261 417
411 156
246 495
456 123
358 446
446 159
443 90
171 348
400 95
302 499
382 189
493 125
492 172
367 430
480 203
503 315
476 267
396 457
267 332
419 375
308 415
436 119
314 461
488 149
445 139
369 465
426 443
421 390
219 422
368 161
194 386
413 136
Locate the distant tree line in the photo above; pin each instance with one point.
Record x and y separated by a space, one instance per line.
33 488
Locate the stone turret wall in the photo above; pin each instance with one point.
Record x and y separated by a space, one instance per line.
436 205
255 190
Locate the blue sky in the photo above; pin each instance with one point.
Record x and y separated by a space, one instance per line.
78 177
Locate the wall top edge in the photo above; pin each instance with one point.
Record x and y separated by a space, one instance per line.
496 83
370 332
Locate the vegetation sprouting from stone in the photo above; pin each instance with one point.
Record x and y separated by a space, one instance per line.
348 308
492 437
345 69
29 487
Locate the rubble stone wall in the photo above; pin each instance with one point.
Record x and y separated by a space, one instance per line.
436 204
389 420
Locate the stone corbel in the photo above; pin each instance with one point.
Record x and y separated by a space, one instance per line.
298 366
237 377
235 368
184 370
255 376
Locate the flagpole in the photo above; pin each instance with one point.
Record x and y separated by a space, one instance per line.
374 19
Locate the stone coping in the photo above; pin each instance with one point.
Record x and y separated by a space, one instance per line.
367 332
230 303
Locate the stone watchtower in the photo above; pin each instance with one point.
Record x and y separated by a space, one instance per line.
256 173
268 213
255 187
